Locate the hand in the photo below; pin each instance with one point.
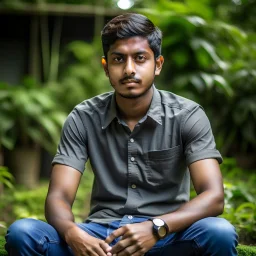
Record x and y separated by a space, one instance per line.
83 244
136 239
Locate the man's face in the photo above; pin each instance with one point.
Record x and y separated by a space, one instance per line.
131 67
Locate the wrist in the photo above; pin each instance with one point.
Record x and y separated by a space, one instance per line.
160 229
69 233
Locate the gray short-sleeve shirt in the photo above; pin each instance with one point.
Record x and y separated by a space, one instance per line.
143 172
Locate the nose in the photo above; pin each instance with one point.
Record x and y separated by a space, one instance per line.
129 68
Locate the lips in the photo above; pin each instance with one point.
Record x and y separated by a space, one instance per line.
130 81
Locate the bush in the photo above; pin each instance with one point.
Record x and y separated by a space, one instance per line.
240 199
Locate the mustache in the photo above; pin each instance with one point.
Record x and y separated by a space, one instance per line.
130 79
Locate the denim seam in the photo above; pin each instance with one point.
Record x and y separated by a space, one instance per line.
198 246
42 241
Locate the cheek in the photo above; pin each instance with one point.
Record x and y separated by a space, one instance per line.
149 73
113 79
114 72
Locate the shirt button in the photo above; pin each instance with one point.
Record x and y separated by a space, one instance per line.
134 186
130 217
131 140
132 159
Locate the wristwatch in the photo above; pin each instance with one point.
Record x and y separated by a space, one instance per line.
160 228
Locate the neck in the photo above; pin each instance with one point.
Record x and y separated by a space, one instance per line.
133 109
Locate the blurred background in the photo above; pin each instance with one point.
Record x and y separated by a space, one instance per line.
50 60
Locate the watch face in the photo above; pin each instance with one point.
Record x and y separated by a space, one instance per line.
162 231
158 222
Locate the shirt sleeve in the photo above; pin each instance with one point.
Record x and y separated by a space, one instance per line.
198 138
72 149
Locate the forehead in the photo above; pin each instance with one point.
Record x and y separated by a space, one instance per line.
130 46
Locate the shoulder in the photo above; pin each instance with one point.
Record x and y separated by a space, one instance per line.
172 100
90 109
96 103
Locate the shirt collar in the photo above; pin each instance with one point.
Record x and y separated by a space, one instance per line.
154 111
111 112
155 107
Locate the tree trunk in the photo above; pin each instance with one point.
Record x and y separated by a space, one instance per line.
24 164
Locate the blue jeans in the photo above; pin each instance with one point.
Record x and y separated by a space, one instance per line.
209 236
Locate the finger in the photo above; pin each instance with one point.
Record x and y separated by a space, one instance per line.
120 246
98 251
115 234
105 247
130 250
139 253
94 250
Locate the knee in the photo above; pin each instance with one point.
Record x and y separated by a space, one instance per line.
20 231
220 229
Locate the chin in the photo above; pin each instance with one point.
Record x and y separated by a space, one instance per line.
130 95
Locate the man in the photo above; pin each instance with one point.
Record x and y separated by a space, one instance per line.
140 142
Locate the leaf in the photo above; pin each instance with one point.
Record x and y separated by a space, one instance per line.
197 82
208 79
8 141
197 44
197 21
222 83
246 206
43 98
81 50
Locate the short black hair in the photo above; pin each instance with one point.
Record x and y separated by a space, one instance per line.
130 25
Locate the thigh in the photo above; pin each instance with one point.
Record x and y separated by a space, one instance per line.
34 237
208 236
170 246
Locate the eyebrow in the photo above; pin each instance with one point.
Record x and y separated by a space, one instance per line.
119 53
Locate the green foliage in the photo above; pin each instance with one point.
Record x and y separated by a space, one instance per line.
2 250
23 203
244 250
82 77
29 114
240 199
6 178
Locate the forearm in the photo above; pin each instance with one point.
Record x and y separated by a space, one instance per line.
59 214
204 205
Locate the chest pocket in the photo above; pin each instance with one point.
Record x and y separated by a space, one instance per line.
163 167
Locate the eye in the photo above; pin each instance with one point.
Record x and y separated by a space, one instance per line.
118 59
140 58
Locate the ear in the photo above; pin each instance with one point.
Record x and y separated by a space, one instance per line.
159 65
104 65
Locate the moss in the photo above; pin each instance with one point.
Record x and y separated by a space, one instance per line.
245 250
2 243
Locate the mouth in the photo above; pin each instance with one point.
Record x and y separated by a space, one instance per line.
130 81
